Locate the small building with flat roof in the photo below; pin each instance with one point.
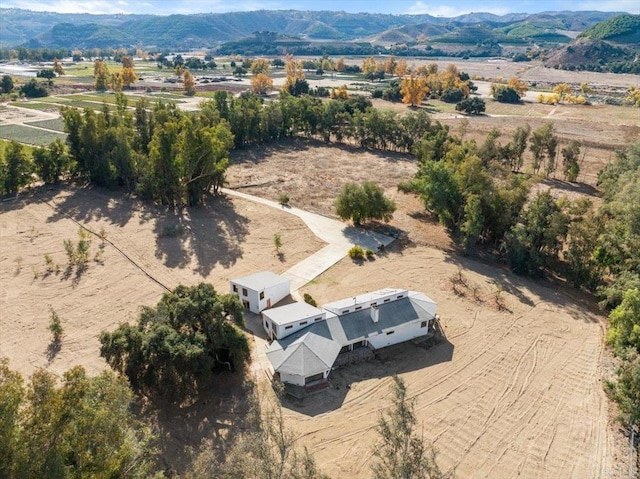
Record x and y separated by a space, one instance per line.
288 319
261 290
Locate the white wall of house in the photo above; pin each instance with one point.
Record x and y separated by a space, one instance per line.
399 334
273 294
256 301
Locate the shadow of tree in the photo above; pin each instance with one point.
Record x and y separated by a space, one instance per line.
212 233
91 203
53 349
217 415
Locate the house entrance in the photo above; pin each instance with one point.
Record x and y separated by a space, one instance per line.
245 303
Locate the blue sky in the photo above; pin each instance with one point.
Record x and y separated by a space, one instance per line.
436 8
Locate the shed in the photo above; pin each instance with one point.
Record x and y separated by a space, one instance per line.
261 290
288 319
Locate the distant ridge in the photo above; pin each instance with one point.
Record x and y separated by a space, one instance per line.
56 30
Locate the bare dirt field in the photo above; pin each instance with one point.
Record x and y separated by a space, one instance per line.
225 239
513 393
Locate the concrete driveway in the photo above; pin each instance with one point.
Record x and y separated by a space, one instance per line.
339 236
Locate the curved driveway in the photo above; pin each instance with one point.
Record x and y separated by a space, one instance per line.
338 236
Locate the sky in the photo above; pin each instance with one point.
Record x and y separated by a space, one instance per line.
435 8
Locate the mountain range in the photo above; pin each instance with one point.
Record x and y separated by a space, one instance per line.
55 30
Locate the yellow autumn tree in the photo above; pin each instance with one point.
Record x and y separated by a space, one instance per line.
562 90
127 61
261 84
189 83
57 67
413 90
129 76
260 65
340 65
340 93
115 81
293 70
101 75
369 66
518 85
401 68
390 65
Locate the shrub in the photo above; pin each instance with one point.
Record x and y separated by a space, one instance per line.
471 106
505 94
364 202
309 299
284 199
369 253
55 326
356 252
452 95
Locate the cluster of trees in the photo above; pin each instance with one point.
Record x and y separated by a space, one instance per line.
81 428
162 153
175 347
34 54
104 79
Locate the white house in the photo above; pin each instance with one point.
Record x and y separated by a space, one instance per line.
373 320
261 290
285 320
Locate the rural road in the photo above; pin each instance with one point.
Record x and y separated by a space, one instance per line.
338 236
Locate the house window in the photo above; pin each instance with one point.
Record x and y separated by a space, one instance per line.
262 295
387 300
235 288
358 308
400 296
244 291
315 377
302 323
390 333
423 324
345 311
318 319
289 327
374 304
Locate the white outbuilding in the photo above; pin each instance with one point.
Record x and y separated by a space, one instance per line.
261 290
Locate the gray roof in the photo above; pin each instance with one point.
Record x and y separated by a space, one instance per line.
307 355
290 313
327 337
260 281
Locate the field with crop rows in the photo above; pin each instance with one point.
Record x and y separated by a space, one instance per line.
55 124
29 135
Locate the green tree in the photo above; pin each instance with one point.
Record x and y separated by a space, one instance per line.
626 390
534 244
471 106
101 75
55 326
624 323
517 146
52 162
33 89
543 145
82 428
175 345
16 168
6 84
570 157
364 202
401 453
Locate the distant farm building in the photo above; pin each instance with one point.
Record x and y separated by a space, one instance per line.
308 341
261 290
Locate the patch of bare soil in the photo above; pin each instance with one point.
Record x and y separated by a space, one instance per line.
146 249
512 391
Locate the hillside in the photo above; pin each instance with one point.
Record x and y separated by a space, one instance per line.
623 29
53 30
595 55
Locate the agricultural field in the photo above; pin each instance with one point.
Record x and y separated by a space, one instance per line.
54 124
29 135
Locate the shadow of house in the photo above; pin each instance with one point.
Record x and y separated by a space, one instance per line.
398 359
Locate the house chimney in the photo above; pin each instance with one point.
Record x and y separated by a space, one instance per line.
375 313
